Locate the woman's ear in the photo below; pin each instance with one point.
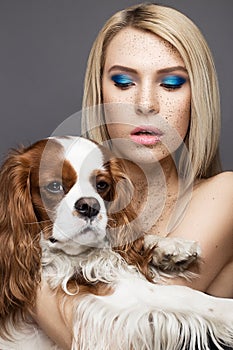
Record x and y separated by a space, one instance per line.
20 252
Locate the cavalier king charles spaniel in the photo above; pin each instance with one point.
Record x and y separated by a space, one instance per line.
66 216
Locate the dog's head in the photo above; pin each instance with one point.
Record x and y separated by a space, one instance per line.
74 190
70 189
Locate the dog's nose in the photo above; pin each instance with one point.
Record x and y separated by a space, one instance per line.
88 207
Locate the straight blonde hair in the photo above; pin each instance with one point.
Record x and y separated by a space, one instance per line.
202 139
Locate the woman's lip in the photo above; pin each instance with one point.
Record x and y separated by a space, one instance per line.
146 140
146 135
147 128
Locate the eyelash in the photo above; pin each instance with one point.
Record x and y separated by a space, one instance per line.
172 82
122 81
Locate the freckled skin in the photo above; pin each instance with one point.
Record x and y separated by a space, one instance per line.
147 54
147 101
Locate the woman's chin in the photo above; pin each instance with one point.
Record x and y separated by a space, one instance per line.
140 153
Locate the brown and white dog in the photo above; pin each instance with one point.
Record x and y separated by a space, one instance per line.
66 216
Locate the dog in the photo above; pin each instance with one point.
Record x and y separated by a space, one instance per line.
66 217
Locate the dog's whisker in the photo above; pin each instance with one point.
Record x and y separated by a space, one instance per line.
37 222
51 211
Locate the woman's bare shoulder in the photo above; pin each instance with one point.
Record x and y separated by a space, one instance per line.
216 191
211 201
212 204
224 179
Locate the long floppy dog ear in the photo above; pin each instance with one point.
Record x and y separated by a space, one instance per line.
121 215
124 231
19 239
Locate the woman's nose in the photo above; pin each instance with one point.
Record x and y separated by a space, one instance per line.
145 109
147 103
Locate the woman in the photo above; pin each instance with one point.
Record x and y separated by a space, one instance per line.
155 59
152 69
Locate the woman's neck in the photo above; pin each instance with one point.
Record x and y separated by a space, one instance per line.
155 193
155 176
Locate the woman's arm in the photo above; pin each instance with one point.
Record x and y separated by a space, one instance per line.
209 220
48 315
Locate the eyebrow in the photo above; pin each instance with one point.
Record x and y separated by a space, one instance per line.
160 71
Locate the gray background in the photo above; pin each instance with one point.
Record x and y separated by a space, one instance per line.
44 47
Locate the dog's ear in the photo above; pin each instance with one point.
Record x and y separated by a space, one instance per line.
124 230
122 224
19 239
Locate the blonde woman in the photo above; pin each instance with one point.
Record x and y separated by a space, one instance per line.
125 67
150 90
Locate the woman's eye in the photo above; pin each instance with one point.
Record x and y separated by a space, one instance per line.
55 187
122 81
173 82
102 186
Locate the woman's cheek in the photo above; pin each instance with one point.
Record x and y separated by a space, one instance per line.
184 120
178 116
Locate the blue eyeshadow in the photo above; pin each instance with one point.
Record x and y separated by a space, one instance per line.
121 79
173 80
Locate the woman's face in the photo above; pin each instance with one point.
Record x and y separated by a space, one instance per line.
146 93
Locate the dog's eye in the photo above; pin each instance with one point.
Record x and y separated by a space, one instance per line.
55 187
102 186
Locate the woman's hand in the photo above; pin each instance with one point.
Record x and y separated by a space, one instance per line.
48 315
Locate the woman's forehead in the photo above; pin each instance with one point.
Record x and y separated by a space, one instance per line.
139 49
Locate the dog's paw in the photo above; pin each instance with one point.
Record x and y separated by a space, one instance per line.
172 254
